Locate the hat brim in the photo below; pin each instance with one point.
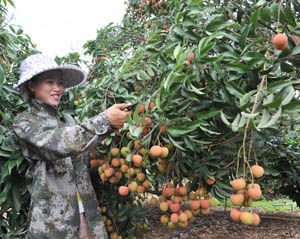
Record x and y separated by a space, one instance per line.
71 75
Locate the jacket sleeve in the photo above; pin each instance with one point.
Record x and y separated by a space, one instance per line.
49 139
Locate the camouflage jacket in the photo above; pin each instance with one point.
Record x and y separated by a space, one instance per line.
55 146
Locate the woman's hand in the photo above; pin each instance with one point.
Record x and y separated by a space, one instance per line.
117 116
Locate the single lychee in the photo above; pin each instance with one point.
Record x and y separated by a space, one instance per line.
164 219
146 184
155 151
164 152
238 184
124 168
132 186
257 171
137 160
195 204
183 191
254 193
163 129
183 217
253 185
114 152
174 207
168 192
256 219
174 217
151 105
163 206
235 214
140 189
246 218
280 41
204 203
115 162
237 199
109 172
141 177
123 190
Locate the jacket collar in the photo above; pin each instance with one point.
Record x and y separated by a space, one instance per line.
41 106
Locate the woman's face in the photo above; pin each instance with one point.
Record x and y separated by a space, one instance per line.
48 87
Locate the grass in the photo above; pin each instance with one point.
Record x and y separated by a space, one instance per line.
276 205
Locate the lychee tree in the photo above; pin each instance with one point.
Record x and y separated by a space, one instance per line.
14 200
219 85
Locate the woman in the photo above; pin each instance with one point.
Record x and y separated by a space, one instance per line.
56 146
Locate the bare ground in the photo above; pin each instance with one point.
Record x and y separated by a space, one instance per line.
217 225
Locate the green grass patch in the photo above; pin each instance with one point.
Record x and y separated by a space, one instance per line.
276 205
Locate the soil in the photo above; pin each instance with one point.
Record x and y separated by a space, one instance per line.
217 225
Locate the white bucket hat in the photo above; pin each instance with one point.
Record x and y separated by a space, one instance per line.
39 63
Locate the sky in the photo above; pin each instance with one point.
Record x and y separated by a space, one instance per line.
58 27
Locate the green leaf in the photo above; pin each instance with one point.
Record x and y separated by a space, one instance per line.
205 43
235 123
176 143
12 163
254 19
237 67
260 3
273 102
265 14
285 95
274 10
247 97
296 50
4 154
224 119
205 129
244 35
196 90
143 75
135 131
288 96
288 16
177 52
292 107
278 85
185 34
224 186
234 89
250 115
264 118
219 24
3 194
179 131
16 198
207 114
219 193
2 76
171 79
271 120
188 142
